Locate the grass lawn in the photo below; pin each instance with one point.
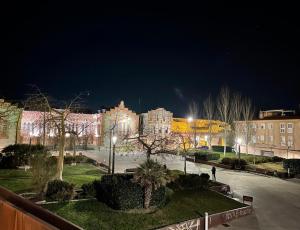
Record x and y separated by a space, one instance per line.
19 181
271 166
184 205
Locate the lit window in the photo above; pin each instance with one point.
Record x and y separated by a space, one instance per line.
262 138
282 128
253 126
282 140
254 139
290 128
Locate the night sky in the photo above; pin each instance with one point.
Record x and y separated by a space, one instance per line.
165 55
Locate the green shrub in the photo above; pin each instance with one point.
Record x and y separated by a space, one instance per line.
207 156
169 193
60 191
121 193
88 189
234 162
159 197
220 148
43 168
19 154
277 159
292 164
190 181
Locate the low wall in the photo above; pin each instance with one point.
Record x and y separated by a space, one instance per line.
18 214
213 220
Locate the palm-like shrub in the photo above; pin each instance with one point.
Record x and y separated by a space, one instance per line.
150 175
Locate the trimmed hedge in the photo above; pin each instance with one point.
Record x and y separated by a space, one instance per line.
60 191
88 189
292 164
78 159
207 156
234 162
121 193
19 154
190 181
220 148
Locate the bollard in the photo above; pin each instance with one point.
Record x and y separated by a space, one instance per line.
206 221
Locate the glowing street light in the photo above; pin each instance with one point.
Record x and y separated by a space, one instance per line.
114 140
190 119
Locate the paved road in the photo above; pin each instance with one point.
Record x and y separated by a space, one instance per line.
276 201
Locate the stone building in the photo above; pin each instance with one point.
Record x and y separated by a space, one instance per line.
275 133
118 121
81 129
199 130
157 121
9 123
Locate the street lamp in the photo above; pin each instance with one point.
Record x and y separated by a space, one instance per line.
114 140
190 119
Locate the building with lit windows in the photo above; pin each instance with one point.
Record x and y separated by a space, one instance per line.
118 121
84 129
275 133
200 130
157 122
9 123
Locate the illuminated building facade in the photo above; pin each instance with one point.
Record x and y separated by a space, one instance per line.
275 133
9 123
200 130
156 122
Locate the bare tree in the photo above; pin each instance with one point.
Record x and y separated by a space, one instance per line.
151 143
223 107
248 114
194 114
8 111
182 142
209 113
56 117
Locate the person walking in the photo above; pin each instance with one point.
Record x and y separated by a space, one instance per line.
213 172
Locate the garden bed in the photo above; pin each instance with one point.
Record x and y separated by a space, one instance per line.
184 205
19 181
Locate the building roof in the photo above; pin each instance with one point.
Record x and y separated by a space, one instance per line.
295 117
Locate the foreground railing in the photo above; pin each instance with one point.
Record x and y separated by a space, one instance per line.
18 213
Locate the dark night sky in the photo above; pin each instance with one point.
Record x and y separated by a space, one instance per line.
167 55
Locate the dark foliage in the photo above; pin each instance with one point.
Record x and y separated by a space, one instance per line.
234 162
292 164
206 156
60 191
190 181
120 192
18 155
277 159
88 189
220 148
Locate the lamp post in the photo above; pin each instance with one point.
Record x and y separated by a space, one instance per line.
114 140
239 141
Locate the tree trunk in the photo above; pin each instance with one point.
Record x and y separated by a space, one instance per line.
60 163
147 194
148 154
